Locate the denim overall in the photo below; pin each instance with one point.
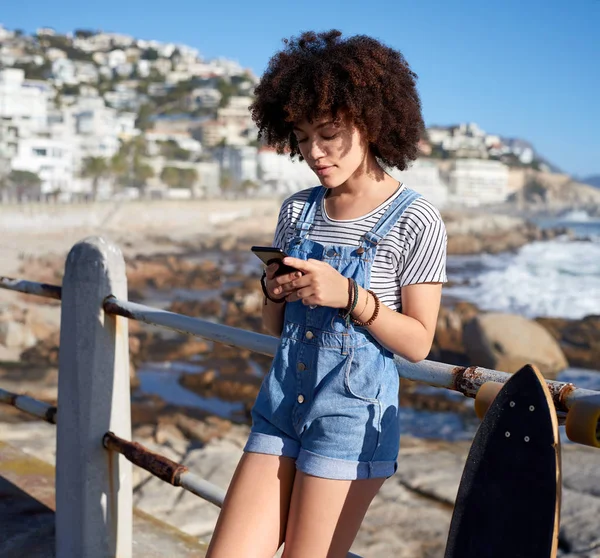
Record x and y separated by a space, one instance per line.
330 400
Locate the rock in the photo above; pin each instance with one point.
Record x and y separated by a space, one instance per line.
579 339
507 342
156 348
448 341
197 308
16 335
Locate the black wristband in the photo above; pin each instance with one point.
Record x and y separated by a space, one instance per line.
266 293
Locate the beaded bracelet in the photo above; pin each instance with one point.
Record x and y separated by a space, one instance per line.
375 312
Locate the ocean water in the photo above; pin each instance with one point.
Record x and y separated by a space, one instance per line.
557 278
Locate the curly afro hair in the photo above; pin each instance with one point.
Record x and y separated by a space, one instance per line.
319 75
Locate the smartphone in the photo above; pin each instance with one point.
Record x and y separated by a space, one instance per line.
269 255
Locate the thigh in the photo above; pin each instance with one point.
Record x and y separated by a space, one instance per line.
325 515
253 520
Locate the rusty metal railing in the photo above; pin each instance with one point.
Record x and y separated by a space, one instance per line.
29 405
466 380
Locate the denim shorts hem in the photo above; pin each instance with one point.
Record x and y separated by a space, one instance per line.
272 445
342 469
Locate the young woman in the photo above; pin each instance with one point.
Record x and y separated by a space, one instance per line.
370 259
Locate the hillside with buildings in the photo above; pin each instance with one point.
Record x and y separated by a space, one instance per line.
94 115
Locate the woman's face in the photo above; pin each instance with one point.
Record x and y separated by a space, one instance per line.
333 150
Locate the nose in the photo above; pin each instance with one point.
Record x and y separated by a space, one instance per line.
315 151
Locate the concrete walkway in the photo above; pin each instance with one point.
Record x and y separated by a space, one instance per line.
27 515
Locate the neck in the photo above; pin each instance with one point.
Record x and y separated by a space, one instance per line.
369 178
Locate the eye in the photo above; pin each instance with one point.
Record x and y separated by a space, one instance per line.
301 140
331 137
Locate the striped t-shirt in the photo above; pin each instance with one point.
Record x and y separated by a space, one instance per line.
414 251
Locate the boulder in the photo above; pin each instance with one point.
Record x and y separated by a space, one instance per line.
16 335
579 339
507 342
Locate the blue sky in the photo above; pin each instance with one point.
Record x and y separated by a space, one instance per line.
528 68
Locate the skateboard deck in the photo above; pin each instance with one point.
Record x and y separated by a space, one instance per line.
508 501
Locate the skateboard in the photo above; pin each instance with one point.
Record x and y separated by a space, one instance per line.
508 501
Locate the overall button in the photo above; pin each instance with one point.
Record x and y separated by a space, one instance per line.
301 366
301 398
330 253
309 335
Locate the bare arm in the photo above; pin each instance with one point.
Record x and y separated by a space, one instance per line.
411 333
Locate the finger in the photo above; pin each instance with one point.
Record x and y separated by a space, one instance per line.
304 294
271 270
287 278
297 263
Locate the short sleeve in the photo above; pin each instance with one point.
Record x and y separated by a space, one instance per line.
426 256
279 239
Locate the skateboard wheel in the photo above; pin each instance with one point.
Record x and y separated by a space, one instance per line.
486 394
583 422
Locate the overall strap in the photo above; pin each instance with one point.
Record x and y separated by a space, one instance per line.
389 218
307 217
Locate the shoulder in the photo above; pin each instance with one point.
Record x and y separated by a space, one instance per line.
292 205
421 214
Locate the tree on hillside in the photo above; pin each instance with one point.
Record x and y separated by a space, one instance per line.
174 177
170 150
24 184
84 33
142 172
188 178
95 168
226 182
128 166
150 54
249 187
143 121
170 176
119 169
227 90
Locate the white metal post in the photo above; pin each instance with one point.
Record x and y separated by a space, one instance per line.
93 485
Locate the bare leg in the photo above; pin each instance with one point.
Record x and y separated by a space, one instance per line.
253 520
325 515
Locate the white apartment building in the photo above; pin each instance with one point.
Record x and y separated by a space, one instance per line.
236 112
92 128
208 184
424 177
240 162
183 139
282 175
24 102
143 68
115 58
474 182
98 42
124 98
203 97
5 33
437 134
63 72
50 159
9 139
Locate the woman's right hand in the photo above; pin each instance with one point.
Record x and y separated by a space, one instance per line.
279 287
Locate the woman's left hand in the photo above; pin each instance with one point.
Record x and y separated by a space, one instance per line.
320 284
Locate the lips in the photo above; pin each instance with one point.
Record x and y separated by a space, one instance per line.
322 171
